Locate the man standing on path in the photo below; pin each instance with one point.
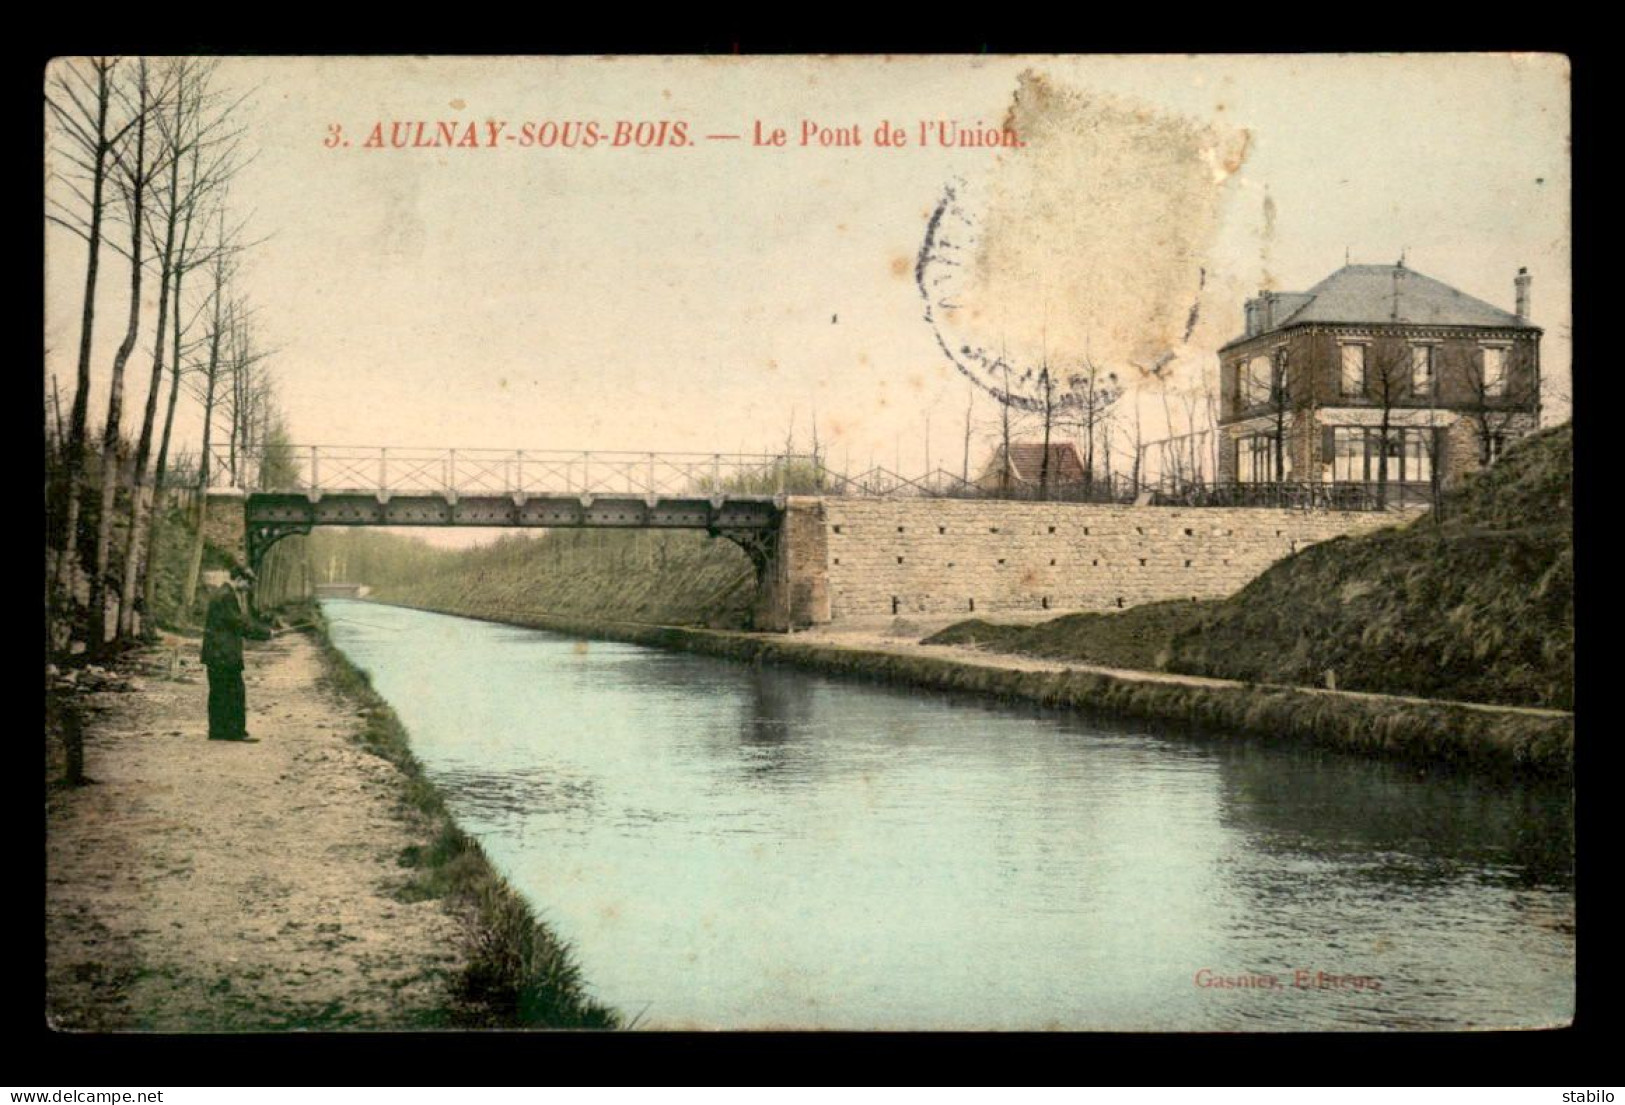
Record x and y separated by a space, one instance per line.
223 631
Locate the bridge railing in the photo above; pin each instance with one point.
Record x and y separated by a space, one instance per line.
476 472
469 472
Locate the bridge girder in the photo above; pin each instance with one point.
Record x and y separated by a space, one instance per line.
750 521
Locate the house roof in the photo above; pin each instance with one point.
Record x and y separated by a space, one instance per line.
1385 294
1027 461
1289 303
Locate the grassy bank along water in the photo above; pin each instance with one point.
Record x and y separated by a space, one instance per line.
1474 603
1140 638
1435 734
518 973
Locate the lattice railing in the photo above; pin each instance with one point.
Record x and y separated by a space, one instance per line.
467 472
473 472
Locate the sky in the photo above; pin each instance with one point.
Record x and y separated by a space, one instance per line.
715 296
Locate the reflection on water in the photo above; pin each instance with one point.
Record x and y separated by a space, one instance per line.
732 846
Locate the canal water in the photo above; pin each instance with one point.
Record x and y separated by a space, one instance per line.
734 847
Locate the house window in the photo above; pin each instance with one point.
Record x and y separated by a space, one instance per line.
1353 369
1422 370
1255 459
1258 381
1495 371
1357 454
1416 456
1348 454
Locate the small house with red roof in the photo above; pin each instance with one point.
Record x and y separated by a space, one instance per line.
1024 470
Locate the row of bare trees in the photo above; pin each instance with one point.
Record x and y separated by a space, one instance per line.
1051 402
143 153
1083 407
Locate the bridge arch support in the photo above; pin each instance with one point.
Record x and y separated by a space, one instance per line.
782 535
791 561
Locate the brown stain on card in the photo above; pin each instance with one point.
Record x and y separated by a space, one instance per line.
1094 236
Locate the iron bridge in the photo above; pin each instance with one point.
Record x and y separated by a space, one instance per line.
737 496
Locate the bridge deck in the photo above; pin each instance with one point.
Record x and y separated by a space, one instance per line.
365 508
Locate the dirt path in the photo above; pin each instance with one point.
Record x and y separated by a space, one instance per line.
209 886
875 638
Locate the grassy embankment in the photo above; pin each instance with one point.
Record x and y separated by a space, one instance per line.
677 578
1476 605
517 973
1432 734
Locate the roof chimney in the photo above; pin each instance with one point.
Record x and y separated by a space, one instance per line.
1521 283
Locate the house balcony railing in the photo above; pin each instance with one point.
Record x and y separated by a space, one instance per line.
1300 495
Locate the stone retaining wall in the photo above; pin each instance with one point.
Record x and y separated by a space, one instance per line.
936 556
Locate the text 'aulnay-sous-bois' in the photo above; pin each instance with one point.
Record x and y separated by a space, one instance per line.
490 134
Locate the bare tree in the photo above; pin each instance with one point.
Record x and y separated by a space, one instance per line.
1388 380
188 255
817 460
260 416
1433 444
1050 405
1198 414
198 157
1095 392
54 442
1073 403
1005 416
247 396
1210 402
137 163
1106 451
80 100
1172 455
1497 396
208 388
970 405
1280 385
1139 449
1034 388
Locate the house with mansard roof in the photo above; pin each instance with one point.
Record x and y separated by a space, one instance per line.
1376 375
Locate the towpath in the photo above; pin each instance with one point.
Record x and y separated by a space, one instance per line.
906 640
209 886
